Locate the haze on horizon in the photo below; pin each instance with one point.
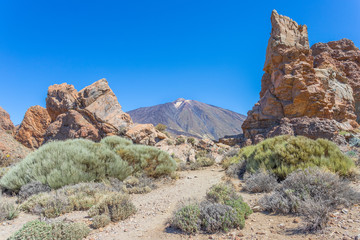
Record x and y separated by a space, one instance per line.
152 52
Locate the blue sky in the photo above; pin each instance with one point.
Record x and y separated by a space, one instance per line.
152 52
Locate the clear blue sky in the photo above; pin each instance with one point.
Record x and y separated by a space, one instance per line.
152 52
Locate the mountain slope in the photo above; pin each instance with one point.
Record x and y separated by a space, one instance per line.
192 118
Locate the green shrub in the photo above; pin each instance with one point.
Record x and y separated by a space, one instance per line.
221 193
223 209
191 140
39 230
284 154
68 162
161 127
8 211
100 221
32 188
67 199
216 217
115 142
179 140
187 219
149 160
115 205
312 193
205 161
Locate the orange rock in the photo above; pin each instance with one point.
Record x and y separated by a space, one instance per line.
33 127
5 122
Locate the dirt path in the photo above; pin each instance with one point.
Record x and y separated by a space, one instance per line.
156 207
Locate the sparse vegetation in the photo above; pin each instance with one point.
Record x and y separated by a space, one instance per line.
179 140
284 154
32 188
100 221
8 210
260 181
222 210
40 230
161 127
311 193
116 206
67 199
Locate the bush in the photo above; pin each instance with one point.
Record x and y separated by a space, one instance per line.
216 217
161 127
39 230
221 193
67 199
68 162
222 210
187 219
311 193
191 140
236 170
115 205
32 188
260 182
284 154
8 211
139 185
149 160
100 221
115 142
179 140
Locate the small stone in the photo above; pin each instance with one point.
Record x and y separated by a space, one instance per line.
296 220
345 211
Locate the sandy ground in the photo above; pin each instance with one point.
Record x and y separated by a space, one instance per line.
156 207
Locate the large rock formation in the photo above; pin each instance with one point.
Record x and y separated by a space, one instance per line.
144 134
343 57
5 122
92 113
292 88
33 127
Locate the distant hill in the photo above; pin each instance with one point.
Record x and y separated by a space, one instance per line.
191 118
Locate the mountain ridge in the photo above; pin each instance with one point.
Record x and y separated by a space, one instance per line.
191 118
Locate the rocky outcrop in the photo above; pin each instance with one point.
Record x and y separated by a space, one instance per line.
72 125
145 134
5 122
92 113
33 127
292 88
344 58
11 151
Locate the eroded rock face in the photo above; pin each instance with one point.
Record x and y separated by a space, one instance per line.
144 134
343 57
5 122
92 113
60 99
293 88
71 125
11 151
33 127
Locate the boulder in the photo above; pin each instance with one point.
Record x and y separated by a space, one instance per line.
5 122
144 134
33 127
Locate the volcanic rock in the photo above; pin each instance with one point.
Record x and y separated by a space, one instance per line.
11 151
144 134
5 121
292 88
33 127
